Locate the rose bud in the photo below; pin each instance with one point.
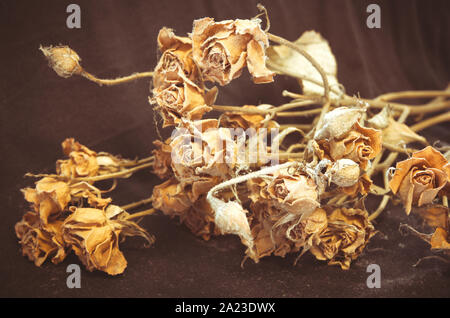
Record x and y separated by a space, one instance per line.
344 173
63 60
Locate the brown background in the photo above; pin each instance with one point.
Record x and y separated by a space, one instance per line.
39 109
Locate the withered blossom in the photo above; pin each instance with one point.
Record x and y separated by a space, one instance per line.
345 237
38 241
222 49
419 179
95 239
360 144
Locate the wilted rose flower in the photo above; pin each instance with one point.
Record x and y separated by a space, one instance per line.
38 241
288 238
49 198
170 198
419 179
345 237
163 159
84 162
176 63
178 88
360 144
222 49
293 193
95 239
203 149
180 100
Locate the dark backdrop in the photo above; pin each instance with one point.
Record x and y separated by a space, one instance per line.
40 109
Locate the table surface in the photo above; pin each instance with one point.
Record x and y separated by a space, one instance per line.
39 110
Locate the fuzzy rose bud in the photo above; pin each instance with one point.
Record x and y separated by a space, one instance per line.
63 60
223 49
344 173
420 178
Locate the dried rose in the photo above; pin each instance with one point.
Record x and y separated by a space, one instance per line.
163 159
203 149
63 60
38 241
293 193
176 101
95 239
222 49
419 179
178 86
170 198
49 198
290 237
345 237
360 144
176 63
84 162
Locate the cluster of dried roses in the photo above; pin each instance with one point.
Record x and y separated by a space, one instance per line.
283 208
70 214
276 202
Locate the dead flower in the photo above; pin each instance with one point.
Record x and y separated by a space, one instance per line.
419 179
222 49
39 241
360 144
163 159
345 237
63 60
95 239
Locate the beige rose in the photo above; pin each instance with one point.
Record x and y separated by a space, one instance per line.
163 159
95 239
223 49
360 144
39 241
345 237
419 179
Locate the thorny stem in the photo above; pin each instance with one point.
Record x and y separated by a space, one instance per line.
282 41
141 214
119 80
133 205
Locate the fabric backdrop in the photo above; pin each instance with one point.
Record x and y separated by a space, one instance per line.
39 109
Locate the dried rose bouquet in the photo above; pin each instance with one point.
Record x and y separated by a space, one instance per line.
282 188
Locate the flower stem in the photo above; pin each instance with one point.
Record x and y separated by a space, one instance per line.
380 208
141 214
120 174
119 80
412 94
133 205
431 121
